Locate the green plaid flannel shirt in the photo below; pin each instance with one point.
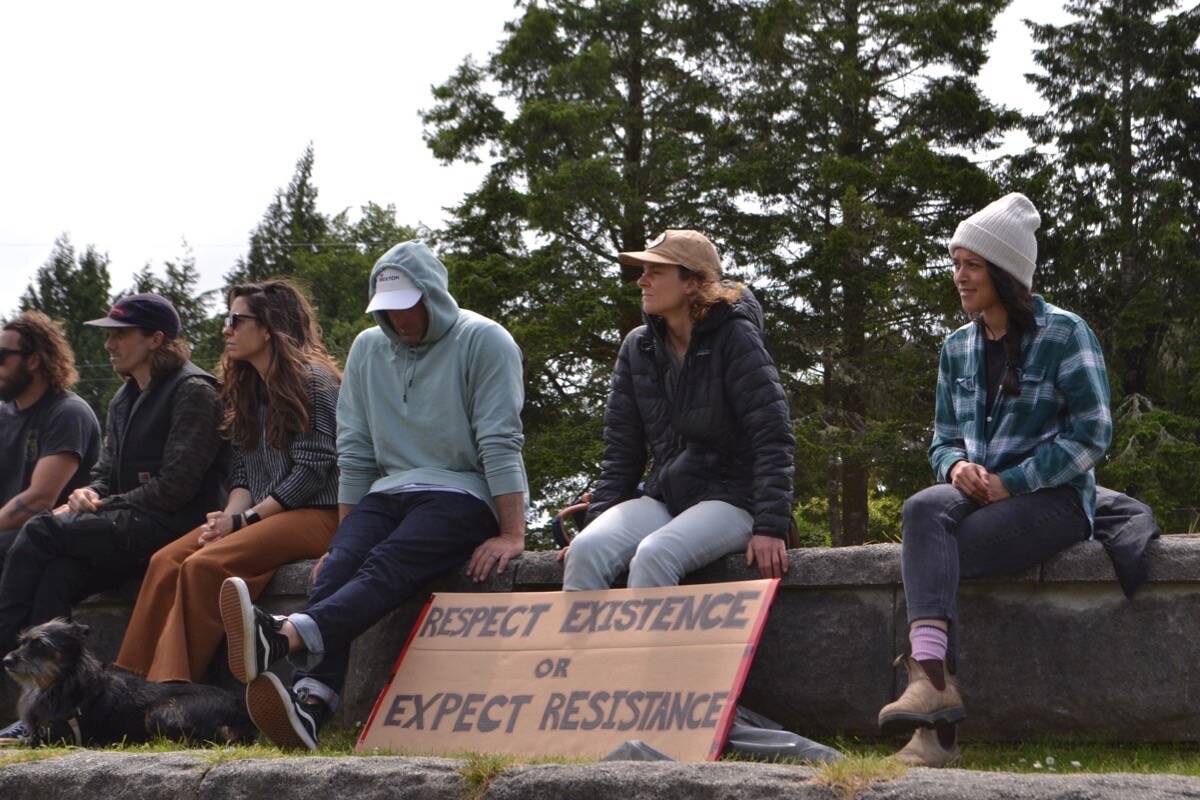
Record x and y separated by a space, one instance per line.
1055 432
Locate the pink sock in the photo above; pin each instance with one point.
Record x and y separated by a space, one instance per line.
928 643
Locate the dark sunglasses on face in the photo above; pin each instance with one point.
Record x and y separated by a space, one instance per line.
233 319
6 352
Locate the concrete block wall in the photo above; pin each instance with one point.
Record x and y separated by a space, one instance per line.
1057 650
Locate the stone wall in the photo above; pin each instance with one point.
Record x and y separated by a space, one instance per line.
1057 650
92 775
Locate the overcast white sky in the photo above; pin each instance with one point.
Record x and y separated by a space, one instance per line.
135 125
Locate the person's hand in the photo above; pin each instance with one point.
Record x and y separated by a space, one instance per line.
217 526
996 488
561 555
64 508
312 576
84 500
495 552
770 553
971 480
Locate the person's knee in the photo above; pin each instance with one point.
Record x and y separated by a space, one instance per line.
589 552
337 568
655 555
197 565
928 503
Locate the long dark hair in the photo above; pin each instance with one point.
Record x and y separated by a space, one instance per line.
41 335
1018 302
296 346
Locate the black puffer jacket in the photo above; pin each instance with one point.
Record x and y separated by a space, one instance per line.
725 434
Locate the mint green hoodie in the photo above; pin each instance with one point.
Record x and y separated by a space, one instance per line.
445 412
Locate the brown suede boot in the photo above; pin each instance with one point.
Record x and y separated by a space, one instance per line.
925 750
922 705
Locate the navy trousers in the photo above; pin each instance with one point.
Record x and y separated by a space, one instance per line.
382 553
948 536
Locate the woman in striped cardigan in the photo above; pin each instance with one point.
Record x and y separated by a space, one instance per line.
280 390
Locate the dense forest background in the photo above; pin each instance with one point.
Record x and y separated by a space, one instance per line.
829 148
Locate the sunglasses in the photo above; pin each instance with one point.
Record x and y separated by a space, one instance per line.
5 352
233 319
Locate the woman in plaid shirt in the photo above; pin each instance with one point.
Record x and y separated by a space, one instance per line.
1022 418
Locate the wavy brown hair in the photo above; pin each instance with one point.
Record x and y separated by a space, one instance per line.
285 310
168 356
44 337
709 292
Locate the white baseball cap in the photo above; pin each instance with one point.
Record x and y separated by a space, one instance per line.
394 291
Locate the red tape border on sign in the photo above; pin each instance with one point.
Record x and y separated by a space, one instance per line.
735 693
739 680
395 666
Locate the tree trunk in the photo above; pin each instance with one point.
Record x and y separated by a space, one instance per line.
854 299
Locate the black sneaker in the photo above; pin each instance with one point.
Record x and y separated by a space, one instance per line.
17 733
288 719
253 637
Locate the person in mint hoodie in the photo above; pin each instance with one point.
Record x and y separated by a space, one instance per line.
431 475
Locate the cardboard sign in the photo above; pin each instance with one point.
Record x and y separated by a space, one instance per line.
573 674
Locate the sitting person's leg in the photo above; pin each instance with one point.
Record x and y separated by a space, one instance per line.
370 522
697 537
948 536
929 567
155 602
438 531
182 629
33 590
6 542
602 550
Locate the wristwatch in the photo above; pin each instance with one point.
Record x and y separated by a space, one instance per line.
251 516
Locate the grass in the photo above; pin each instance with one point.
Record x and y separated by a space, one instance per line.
1058 756
856 773
866 757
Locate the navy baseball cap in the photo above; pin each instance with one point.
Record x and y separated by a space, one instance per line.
150 311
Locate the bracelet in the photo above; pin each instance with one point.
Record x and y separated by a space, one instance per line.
237 522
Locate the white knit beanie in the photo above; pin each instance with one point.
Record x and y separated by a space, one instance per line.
1003 234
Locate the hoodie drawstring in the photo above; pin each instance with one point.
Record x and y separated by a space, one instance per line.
410 370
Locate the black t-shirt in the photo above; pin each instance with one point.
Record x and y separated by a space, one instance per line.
59 422
995 368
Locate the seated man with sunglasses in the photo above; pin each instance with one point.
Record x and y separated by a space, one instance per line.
49 436
161 468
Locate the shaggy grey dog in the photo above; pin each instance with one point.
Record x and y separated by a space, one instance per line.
67 694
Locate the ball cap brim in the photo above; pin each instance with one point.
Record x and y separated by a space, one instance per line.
393 291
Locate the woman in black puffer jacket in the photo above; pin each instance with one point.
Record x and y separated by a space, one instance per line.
696 391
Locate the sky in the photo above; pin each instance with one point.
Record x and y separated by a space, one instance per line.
134 126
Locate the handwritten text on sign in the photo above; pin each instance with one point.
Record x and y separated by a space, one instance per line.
573 673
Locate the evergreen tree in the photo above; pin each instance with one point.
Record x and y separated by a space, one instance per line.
1120 177
603 125
72 290
1117 169
291 225
178 284
859 118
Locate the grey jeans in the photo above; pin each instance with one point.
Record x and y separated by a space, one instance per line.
948 536
658 549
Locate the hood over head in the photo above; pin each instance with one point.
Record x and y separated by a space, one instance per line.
428 274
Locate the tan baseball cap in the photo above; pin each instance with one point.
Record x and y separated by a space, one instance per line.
689 249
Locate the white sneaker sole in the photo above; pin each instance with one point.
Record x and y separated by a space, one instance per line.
237 614
273 712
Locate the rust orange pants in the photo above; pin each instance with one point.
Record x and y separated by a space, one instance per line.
176 626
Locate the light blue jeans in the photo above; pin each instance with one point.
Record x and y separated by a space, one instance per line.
658 549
